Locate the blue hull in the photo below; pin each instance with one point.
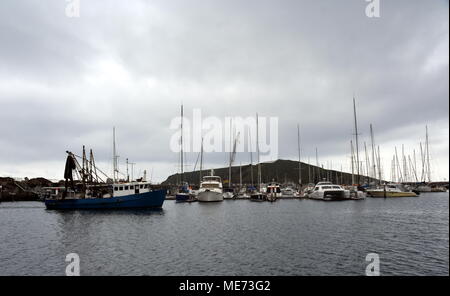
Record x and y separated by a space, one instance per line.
182 197
154 199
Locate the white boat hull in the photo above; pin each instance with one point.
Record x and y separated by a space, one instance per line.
208 196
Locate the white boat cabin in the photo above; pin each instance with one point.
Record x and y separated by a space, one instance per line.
124 189
327 186
211 182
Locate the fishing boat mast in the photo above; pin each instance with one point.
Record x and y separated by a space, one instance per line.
115 158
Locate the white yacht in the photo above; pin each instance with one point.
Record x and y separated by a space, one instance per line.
273 191
329 191
288 192
391 190
210 189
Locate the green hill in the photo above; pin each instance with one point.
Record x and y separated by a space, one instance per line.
280 171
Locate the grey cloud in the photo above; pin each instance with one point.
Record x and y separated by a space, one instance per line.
301 61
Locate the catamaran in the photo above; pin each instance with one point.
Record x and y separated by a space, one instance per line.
329 192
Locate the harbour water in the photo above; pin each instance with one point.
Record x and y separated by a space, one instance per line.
288 237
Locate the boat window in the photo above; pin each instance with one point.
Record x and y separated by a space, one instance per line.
210 185
146 186
116 188
126 187
337 187
317 188
131 187
121 188
326 187
141 186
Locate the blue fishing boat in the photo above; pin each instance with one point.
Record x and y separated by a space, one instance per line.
124 196
93 192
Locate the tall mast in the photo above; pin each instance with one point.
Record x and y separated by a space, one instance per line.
415 165
201 162
299 157
422 160
352 161
257 150
231 154
428 154
181 147
251 154
367 163
317 164
405 177
357 145
128 175
374 169
379 165
115 156
399 172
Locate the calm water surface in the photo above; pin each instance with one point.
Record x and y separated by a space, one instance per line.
289 237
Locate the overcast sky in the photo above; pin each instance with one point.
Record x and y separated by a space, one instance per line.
66 81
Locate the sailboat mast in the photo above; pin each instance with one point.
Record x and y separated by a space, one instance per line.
231 154
181 147
251 154
299 157
372 142
201 162
405 177
367 163
352 162
356 138
422 162
257 149
379 165
428 154
317 165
